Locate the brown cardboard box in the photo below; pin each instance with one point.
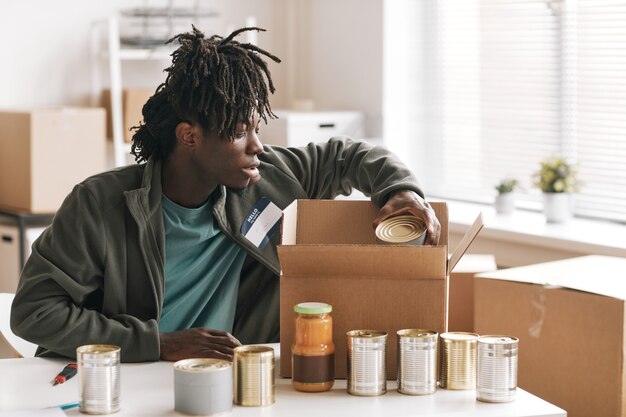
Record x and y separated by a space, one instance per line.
329 254
133 100
569 318
461 296
45 152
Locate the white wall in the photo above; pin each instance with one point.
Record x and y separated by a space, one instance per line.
331 51
343 67
47 47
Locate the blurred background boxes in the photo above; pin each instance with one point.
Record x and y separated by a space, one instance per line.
133 100
11 261
45 152
569 318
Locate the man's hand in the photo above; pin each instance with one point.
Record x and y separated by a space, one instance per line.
410 203
197 343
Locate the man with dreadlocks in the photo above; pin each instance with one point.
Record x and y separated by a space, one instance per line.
156 257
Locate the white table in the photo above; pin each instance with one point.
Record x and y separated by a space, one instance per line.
148 390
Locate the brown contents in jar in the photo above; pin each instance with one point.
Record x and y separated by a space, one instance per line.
313 359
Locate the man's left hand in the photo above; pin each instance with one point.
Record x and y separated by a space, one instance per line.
410 203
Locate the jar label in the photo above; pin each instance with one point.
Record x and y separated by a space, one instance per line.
313 369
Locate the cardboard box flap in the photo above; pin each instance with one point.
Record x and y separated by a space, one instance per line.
465 242
376 261
594 274
288 227
335 222
340 222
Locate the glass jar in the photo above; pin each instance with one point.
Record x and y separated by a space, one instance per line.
313 351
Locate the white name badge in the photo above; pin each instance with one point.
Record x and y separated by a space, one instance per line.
262 222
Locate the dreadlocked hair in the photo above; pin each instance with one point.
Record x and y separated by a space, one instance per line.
215 82
156 135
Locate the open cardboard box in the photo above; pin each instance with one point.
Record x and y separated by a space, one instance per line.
569 316
329 254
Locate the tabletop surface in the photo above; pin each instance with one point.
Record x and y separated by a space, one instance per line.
148 390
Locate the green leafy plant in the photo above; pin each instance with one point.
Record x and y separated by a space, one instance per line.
556 176
507 185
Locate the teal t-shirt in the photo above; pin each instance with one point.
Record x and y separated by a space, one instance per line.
202 269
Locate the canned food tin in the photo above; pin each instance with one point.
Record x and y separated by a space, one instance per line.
417 361
404 230
497 368
98 379
253 370
458 360
203 386
366 362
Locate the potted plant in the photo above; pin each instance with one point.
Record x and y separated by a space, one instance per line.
505 200
556 178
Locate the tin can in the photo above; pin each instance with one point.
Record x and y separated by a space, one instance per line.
203 386
458 360
401 230
98 379
253 370
497 369
417 361
367 375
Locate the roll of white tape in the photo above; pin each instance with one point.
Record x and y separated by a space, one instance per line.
203 386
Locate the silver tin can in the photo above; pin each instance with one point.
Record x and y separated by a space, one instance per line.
253 373
401 230
497 369
458 360
98 379
417 361
203 386
367 375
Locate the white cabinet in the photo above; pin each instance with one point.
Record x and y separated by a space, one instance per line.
299 128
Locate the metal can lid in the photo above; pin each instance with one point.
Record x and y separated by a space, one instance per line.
400 229
254 350
98 349
202 365
312 308
416 333
498 340
459 336
366 334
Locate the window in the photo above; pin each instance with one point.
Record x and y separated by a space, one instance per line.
479 90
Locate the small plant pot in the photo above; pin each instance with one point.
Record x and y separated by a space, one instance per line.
557 207
505 203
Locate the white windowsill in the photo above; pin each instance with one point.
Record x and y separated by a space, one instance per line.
524 236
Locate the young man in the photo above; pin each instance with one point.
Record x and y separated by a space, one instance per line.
156 257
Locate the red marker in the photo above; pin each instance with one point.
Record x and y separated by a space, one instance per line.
67 372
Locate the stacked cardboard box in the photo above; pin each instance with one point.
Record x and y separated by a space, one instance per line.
570 318
45 152
329 254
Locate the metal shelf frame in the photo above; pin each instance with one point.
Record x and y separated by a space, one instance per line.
116 54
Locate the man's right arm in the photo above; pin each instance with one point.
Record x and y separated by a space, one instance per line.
62 288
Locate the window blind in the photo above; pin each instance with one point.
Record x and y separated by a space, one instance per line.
599 32
507 83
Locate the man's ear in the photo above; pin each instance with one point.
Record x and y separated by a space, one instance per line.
186 135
